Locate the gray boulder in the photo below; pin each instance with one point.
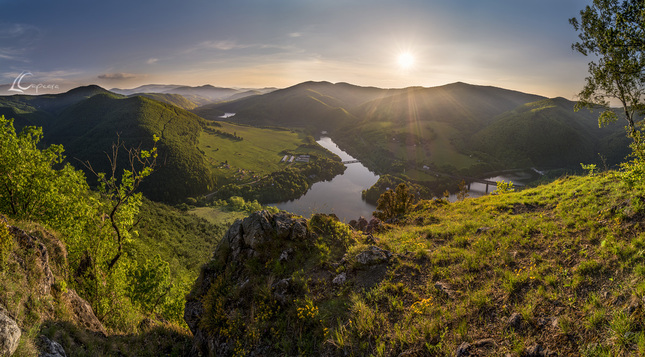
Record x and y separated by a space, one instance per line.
9 334
50 348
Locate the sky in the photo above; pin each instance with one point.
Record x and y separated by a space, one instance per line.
522 45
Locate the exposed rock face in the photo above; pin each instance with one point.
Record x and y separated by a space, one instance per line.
51 348
50 257
27 241
84 313
9 334
244 240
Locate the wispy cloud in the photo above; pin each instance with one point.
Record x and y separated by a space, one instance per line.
58 75
17 39
152 60
117 76
218 45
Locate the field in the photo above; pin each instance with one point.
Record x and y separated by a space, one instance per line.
243 154
218 216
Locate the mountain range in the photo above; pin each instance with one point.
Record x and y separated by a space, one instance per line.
456 128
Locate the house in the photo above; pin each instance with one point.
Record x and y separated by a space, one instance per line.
302 158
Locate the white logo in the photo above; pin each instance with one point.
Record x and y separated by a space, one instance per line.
17 86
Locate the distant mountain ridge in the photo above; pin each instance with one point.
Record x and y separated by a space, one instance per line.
456 128
87 119
436 126
200 95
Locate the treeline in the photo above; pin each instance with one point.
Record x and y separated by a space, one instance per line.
287 184
223 134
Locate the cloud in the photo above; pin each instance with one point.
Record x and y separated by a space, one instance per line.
295 34
152 60
224 45
117 76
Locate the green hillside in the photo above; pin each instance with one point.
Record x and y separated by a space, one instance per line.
87 120
38 110
549 133
89 128
426 126
313 106
556 268
174 99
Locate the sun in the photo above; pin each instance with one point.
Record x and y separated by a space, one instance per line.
405 60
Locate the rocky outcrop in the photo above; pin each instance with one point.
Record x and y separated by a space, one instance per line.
9 334
29 242
83 312
38 260
50 348
272 268
262 236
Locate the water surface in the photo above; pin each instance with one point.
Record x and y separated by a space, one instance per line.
341 195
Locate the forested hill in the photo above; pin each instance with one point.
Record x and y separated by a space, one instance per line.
87 120
452 128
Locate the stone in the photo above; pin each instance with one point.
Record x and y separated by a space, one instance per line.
537 350
463 350
375 225
481 230
284 256
445 289
515 321
50 348
340 279
362 223
299 230
254 229
9 334
484 343
281 290
373 255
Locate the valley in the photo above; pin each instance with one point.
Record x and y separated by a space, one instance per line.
227 187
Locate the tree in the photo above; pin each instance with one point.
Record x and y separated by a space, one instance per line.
614 32
463 191
123 200
394 203
35 184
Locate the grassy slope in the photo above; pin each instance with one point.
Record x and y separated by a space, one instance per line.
566 256
259 154
560 266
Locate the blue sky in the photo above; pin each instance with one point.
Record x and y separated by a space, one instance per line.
516 44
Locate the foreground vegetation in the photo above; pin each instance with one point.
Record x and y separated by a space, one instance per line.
130 259
557 267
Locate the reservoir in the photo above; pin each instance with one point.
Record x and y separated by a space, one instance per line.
341 195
